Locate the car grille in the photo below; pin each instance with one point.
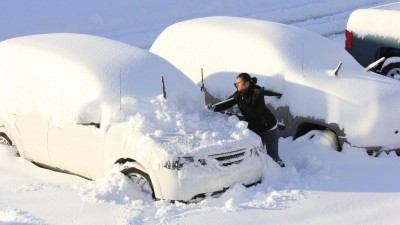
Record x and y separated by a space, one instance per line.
230 158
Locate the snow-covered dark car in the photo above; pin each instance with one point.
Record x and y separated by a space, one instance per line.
373 34
87 104
324 89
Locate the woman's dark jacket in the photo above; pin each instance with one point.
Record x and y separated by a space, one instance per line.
252 105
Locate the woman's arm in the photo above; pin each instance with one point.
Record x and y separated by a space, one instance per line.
220 106
271 93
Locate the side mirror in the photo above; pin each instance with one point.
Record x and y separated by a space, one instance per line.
89 114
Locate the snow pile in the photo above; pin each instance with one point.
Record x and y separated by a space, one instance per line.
165 127
70 76
225 46
115 188
380 21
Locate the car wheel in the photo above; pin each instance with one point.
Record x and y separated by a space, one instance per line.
5 140
324 136
141 179
391 70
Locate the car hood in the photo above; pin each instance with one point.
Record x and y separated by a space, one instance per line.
165 131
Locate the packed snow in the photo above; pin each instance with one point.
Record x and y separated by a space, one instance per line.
379 21
318 185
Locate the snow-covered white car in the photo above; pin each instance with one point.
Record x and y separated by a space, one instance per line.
325 91
87 105
373 34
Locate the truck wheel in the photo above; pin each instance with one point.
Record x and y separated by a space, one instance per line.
141 179
5 140
391 70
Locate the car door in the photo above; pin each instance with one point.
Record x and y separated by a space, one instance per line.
32 129
77 148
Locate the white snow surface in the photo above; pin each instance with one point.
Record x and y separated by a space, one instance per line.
318 185
380 21
132 74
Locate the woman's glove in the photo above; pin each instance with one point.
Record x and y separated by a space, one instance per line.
210 106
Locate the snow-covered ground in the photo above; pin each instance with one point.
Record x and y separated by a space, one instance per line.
318 185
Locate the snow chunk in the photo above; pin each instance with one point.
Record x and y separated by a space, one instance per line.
173 130
381 21
115 188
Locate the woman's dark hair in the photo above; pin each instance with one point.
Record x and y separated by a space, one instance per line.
246 77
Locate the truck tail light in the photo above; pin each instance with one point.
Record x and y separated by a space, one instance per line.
349 40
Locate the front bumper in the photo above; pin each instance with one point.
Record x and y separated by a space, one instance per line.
193 182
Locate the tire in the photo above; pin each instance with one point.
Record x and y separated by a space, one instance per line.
324 136
391 70
5 140
141 179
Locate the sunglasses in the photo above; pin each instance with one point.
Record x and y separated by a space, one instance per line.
236 84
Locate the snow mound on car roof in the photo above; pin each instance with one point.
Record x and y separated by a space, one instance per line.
381 21
61 73
247 45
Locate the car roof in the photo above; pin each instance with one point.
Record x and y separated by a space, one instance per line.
108 61
264 47
75 69
381 22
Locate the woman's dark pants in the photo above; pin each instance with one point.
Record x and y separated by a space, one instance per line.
270 141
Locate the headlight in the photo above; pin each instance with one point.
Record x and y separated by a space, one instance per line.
179 162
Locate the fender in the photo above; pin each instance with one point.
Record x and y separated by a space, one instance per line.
8 127
301 125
